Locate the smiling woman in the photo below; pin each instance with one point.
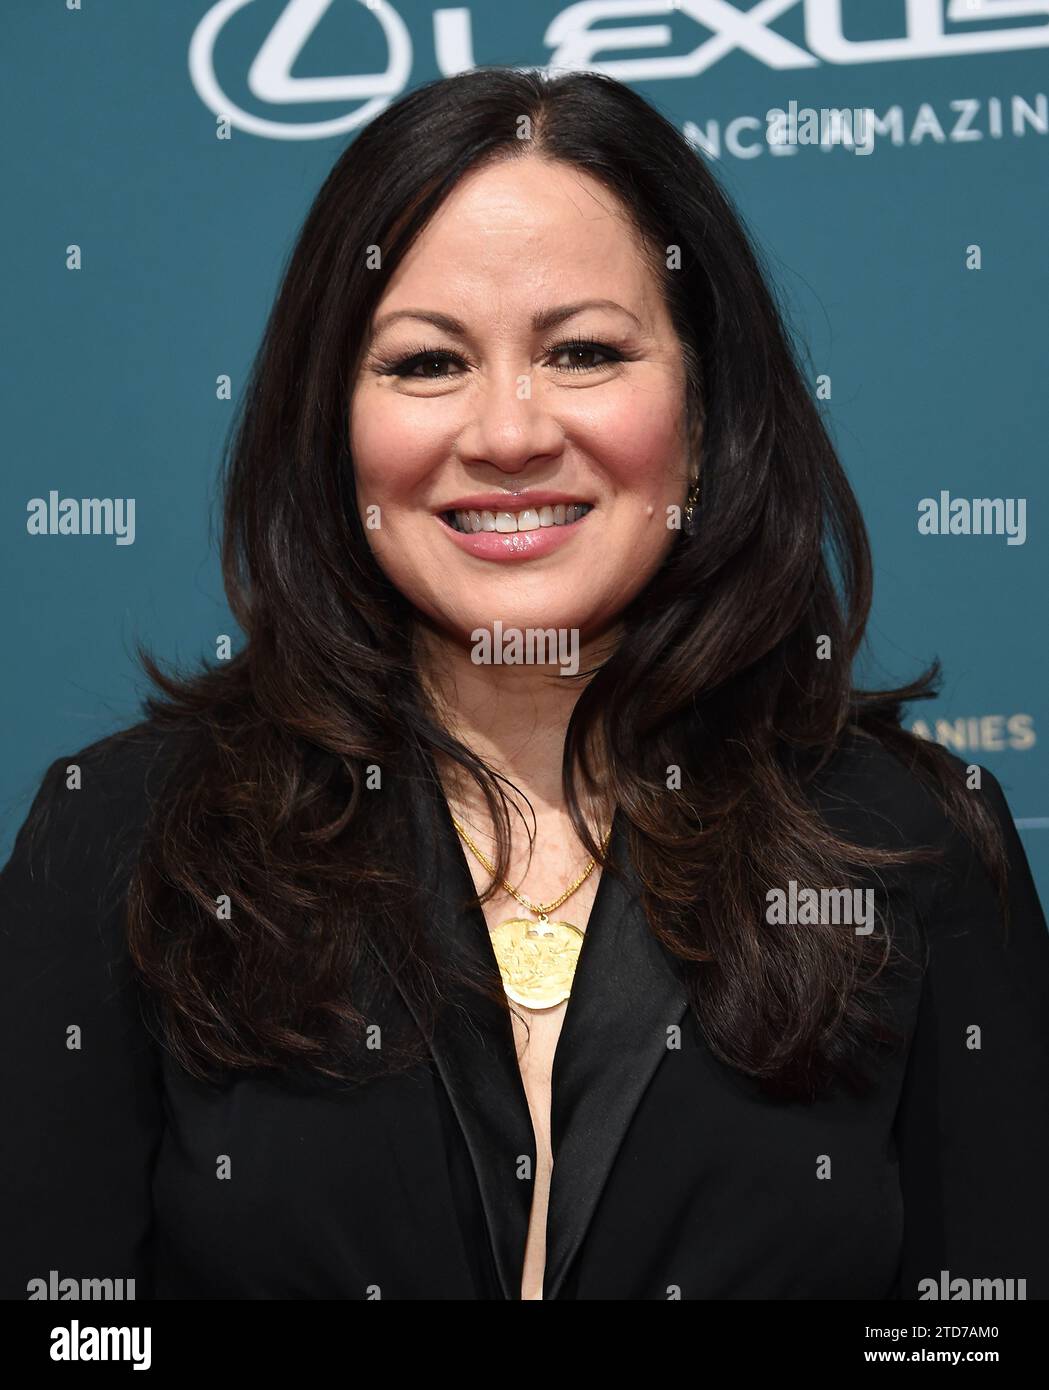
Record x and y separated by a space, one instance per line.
414 973
524 390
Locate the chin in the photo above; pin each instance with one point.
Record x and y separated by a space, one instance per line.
513 615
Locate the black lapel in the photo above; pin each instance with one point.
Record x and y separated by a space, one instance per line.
473 1043
625 996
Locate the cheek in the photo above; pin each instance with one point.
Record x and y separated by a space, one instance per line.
392 449
636 437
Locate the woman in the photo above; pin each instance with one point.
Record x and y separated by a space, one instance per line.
543 740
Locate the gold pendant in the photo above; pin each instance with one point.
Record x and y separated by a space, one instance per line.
537 960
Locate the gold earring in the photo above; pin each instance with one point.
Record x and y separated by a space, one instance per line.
691 503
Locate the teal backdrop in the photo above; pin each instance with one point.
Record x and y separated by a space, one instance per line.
916 277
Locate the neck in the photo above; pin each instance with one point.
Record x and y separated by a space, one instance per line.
513 717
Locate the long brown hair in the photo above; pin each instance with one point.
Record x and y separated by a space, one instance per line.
718 674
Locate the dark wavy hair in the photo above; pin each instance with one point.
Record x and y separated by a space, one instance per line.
717 671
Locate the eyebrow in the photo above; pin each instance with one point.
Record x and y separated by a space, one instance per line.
541 322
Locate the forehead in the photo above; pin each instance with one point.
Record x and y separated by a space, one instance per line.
529 227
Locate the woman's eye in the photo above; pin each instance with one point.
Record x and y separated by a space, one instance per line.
430 365
575 350
409 365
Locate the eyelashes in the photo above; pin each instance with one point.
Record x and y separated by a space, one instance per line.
405 365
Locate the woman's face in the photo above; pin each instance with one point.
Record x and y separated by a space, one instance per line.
463 403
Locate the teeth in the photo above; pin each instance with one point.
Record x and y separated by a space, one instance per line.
530 519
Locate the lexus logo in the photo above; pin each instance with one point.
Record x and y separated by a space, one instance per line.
575 43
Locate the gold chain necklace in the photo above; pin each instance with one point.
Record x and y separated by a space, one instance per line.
537 960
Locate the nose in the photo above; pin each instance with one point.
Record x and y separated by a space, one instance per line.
510 424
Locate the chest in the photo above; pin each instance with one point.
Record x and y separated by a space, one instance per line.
671 1172
537 1033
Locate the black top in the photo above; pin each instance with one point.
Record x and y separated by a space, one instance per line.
673 1175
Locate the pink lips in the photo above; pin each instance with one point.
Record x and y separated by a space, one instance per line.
509 546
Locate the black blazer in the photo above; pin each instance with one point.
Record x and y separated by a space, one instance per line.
673 1176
